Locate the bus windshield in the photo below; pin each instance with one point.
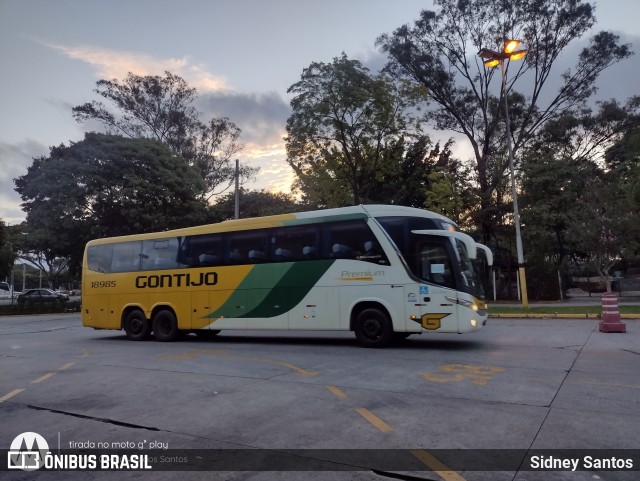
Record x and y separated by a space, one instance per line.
468 271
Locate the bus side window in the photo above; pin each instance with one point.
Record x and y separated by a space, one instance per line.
247 247
294 243
160 254
354 240
201 250
99 257
127 256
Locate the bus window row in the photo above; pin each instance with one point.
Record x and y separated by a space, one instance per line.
339 240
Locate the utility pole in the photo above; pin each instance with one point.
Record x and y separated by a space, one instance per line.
237 206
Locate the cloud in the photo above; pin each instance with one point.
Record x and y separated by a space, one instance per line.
15 159
115 64
261 116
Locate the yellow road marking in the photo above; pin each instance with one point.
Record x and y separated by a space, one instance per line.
43 378
196 353
85 353
337 391
66 366
13 393
298 370
475 373
375 420
436 466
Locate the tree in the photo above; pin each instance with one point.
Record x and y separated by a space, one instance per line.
254 203
439 54
608 229
105 185
574 194
346 132
7 252
161 108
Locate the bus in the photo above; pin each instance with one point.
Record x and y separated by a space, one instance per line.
384 272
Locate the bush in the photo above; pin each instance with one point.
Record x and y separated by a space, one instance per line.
42 308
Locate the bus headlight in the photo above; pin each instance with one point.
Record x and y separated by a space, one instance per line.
470 304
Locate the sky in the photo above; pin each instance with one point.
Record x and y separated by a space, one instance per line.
241 56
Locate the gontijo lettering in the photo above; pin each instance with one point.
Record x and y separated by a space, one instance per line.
177 280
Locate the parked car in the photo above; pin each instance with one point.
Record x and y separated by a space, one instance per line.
32 296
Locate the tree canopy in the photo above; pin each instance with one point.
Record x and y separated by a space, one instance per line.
106 185
439 53
344 131
161 108
352 138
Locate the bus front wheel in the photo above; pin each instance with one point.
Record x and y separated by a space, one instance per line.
373 328
165 326
137 326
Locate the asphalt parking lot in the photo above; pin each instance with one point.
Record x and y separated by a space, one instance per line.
445 401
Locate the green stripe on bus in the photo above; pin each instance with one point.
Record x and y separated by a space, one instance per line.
291 288
290 283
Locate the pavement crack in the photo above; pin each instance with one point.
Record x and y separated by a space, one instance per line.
406 477
94 418
630 351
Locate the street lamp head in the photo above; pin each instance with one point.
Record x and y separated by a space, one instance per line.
488 54
510 45
491 62
517 55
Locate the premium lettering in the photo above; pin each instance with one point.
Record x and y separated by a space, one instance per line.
177 280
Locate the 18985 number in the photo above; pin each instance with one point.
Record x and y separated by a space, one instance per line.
99 284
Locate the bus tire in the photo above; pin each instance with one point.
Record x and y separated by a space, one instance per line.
373 328
137 326
165 326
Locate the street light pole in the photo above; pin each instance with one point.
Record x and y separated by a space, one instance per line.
514 195
494 58
236 214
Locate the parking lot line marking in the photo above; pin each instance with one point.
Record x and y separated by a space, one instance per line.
66 366
13 393
436 466
43 378
375 420
337 391
195 353
474 373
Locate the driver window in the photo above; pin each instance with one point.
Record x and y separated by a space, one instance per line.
435 264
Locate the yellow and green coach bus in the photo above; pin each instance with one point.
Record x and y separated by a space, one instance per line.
381 271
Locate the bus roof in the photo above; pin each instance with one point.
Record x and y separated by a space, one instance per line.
297 218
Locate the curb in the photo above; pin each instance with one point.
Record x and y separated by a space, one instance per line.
556 315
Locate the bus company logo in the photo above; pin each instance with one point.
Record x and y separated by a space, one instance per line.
27 452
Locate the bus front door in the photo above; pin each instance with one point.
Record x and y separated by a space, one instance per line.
438 295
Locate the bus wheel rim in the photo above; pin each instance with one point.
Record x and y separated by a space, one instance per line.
372 329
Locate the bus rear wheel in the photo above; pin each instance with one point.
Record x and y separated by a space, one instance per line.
373 328
137 326
165 326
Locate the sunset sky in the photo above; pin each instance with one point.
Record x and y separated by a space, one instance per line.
241 55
